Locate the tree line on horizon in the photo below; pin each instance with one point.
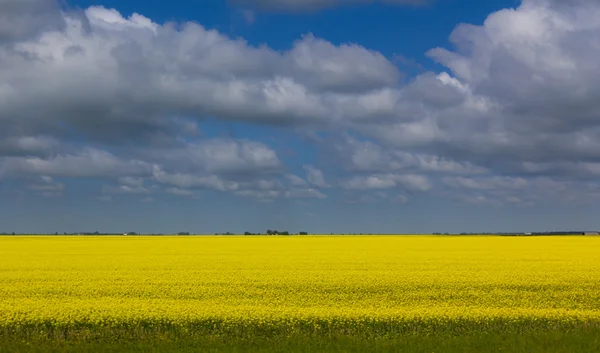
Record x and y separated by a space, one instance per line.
276 232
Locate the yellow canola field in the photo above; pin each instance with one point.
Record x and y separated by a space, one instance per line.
66 281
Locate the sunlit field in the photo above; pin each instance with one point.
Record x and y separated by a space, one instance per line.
305 293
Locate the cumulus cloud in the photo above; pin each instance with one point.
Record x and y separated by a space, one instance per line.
348 67
308 193
388 181
23 19
315 176
118 79
242 167
356 155
296 180
190 181
519 102
533 71
263 188
89 163
127 185
28 146
180 192
223 156
371 182
99 95
521 191
487 183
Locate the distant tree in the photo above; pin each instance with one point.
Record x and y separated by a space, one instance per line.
303 233
269 232
247 233
284 233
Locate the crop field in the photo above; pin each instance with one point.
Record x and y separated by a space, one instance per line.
300 293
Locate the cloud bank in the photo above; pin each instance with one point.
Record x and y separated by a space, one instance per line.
97 95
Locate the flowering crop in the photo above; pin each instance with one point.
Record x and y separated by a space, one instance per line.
377 285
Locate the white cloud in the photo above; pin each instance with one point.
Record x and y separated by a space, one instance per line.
486 183
315 176
94 94
370 182
27 145
104 72
180 192
264 195
348 67
89 163
189 181
413 182
477 200
366 156
402 199
223 156
388 181
295 180
535 67
520 191
291 193
304 194
125 189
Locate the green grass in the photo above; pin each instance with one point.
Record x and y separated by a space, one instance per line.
575 339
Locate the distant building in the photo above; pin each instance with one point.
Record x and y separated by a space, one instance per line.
591 233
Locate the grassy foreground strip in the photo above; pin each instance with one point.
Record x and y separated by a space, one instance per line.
419 293
581 339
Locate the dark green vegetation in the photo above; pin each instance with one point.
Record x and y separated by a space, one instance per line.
573 338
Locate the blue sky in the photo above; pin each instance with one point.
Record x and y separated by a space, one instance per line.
299 115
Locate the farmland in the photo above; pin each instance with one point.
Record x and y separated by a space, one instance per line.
423 293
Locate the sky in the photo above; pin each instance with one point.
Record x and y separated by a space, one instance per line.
324 116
